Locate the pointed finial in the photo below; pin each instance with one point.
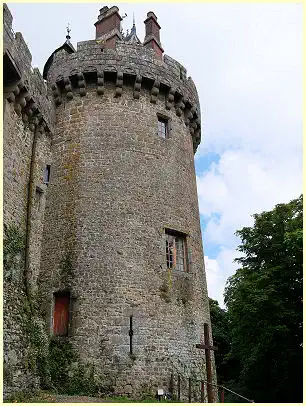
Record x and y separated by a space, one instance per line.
133 20
68 32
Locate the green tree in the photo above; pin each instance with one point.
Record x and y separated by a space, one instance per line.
221 338
264 301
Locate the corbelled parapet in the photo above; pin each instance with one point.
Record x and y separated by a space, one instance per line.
127 64
23 85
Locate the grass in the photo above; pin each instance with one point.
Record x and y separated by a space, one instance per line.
49 397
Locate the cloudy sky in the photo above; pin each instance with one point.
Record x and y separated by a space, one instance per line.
246 60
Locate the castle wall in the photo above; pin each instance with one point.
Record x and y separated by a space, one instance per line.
116 186
27 112
16 160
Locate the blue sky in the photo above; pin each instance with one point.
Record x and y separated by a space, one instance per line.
246 60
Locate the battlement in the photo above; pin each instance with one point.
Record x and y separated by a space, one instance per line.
126 64
23 85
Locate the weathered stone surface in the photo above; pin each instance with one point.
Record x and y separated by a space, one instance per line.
98 228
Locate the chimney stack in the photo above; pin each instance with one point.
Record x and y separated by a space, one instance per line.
108 26
152 38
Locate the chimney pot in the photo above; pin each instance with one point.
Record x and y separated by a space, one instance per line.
151 14
152 38
108 26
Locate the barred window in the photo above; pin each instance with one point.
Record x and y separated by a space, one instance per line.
47 174
176 252
163 127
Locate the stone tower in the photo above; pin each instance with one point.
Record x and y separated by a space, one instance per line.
121 273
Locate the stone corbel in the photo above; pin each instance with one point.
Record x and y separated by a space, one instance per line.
100 83
154 91
192 127
189 115
180 107
170 98
119 84
31 108
81 84
13 94
137 87
68 88
56 94
21 101
34 121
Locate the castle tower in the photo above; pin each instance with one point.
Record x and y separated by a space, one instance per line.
122 272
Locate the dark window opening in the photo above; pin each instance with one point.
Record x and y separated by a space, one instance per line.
47 175
61 313
176 251
163 127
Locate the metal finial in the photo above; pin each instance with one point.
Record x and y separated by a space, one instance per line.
133 20
68 32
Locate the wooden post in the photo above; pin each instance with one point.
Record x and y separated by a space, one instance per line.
171 385
222 395
189 390
202 392
179 387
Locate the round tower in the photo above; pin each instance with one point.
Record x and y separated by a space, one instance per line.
122 269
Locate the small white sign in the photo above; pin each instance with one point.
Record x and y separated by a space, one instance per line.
160 392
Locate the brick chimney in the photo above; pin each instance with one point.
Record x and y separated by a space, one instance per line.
152 39
108 26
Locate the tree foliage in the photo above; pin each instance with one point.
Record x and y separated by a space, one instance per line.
264 302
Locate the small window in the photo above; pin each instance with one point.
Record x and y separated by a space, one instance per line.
176 251
61 313
163 127
47 175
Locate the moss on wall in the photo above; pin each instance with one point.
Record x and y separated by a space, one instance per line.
13 251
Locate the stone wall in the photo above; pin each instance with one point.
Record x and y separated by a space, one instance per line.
98 229
27 116
116 185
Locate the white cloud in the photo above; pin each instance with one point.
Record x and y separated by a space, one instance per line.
217 272
241 184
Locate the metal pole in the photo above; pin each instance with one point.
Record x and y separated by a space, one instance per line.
189 390
179 387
